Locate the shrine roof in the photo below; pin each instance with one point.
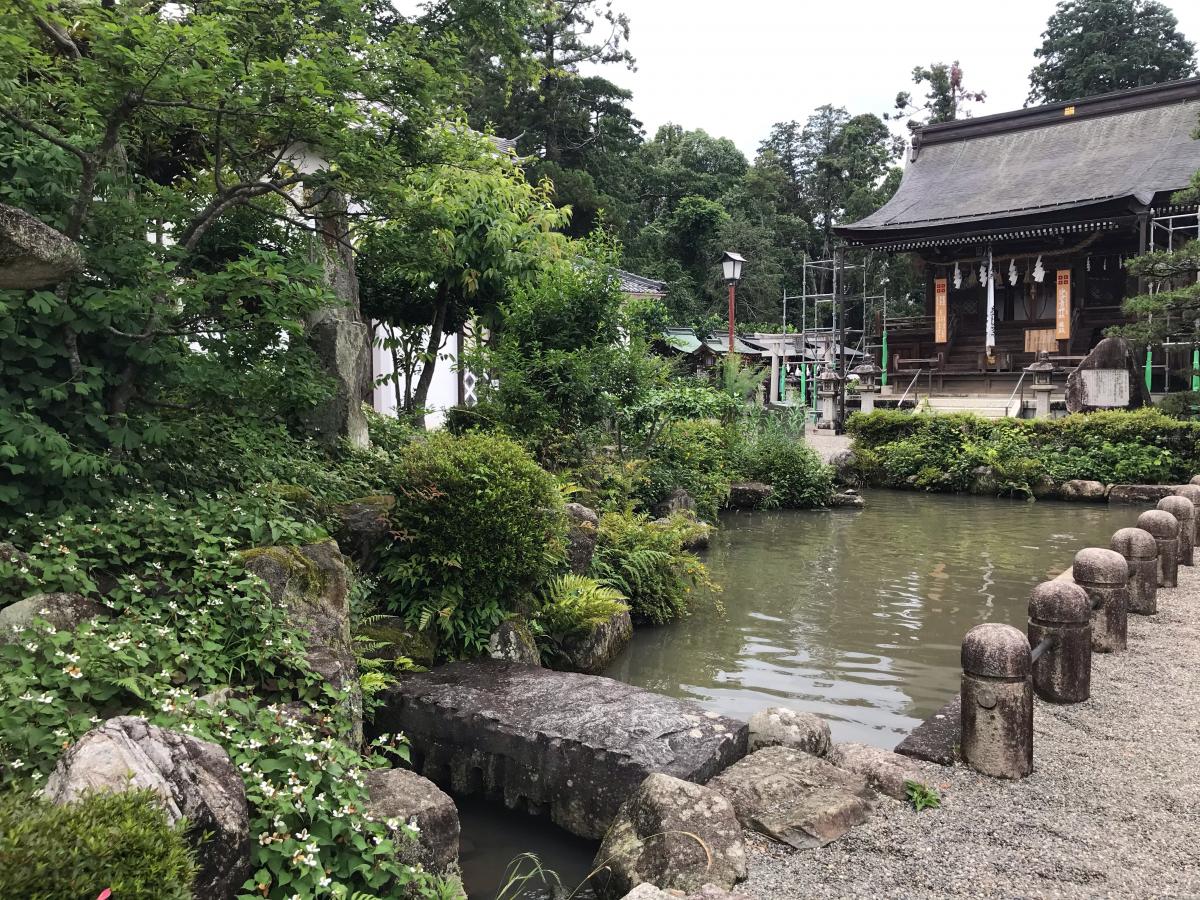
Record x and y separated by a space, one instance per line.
1111 154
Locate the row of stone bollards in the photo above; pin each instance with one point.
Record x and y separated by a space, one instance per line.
1069 620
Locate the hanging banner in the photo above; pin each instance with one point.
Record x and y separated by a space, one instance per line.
1062 306
940 321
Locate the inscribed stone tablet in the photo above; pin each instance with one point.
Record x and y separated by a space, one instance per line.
1105 387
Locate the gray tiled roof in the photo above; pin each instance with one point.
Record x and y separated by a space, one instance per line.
638 284
1018 165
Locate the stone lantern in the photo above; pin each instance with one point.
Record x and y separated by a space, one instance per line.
828 384
1042 386
868 384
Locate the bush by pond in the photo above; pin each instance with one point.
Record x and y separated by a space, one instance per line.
478 527
945 452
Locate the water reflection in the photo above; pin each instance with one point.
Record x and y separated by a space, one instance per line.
858 615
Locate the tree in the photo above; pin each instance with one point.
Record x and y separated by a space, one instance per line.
1171 308
839 156
456 237
945 100
1094 46
223 131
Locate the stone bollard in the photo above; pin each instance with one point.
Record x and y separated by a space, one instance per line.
1141 555
997 702
1192 492
1183 510
1165 528
1062 612
1104 575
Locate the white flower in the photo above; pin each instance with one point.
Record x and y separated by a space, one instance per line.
17 764
37 776
26 697
46 698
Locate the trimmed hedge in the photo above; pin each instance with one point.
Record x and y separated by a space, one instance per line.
118 840
944 452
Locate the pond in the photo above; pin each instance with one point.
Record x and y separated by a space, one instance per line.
856 615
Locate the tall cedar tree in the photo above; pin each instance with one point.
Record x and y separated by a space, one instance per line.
1095 46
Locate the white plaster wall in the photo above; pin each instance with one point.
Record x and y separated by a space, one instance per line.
443 391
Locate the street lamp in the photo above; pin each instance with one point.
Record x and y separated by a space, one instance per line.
731 266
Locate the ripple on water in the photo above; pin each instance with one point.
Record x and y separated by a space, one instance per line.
858 615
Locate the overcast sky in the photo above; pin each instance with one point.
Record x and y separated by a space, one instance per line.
735 68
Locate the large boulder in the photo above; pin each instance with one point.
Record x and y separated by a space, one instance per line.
884 770
569 746
313 583
1140 493
778 726
32 254
195 779
749 494
592 652
582 525
512 641
672 834
1083 491
845 468
391 638
678 500
406 796
364 526
64 612
1110 377
794 797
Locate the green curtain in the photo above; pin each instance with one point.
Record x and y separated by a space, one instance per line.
883 360
1149 356
804 383
1196 368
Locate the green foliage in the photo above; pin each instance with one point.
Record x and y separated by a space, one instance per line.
945 99
571 606
645 561
921 797
942 452
564 374
479 525
773 451
1181 405
1095 46
693 454
191 620
120 841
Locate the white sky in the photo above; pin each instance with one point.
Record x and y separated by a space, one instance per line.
736 67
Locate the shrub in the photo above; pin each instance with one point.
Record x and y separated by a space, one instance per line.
695 455
121 841
942 452
646 562
478 525
774 452
1181 405
571 606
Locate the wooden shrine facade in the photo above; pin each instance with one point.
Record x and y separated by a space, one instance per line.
1023 223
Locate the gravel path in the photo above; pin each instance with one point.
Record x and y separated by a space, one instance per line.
1111 810
825 442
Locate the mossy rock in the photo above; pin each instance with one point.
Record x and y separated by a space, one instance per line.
399 640
364 526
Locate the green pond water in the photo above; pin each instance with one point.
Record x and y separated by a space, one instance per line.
856 615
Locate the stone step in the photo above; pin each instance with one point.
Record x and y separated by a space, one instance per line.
569 746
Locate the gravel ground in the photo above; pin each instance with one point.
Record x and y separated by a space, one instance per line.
1111 810
825 442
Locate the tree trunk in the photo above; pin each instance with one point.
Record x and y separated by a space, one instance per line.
421 394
